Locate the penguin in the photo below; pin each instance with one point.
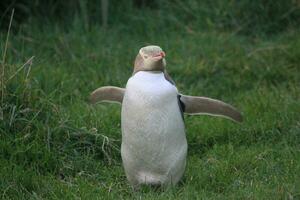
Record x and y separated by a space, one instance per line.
154 146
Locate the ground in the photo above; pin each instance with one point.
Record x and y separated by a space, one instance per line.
55 145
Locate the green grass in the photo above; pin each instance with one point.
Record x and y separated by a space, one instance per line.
54 145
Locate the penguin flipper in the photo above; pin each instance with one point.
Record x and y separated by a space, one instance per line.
108 94
194 105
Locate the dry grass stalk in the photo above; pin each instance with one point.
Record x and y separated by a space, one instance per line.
4 57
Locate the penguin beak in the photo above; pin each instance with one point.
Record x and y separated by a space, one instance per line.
159 56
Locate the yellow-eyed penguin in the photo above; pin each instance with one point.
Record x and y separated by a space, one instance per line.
154 146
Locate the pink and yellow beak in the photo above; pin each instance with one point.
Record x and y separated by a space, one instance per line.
160 56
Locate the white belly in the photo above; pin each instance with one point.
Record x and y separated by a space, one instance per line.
154 145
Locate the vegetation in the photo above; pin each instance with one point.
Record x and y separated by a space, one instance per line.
54 145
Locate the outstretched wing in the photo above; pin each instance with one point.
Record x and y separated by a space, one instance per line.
202 105
107 94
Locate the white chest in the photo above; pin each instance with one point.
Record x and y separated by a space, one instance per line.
150 108
153 136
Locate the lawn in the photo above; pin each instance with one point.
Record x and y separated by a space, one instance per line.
55 145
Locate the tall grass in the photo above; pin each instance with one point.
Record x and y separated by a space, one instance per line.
247 17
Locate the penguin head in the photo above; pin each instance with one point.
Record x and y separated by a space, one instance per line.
150 58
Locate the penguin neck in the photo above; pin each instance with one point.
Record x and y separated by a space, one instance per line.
149 75
154 74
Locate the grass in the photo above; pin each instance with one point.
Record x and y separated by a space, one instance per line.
54 145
